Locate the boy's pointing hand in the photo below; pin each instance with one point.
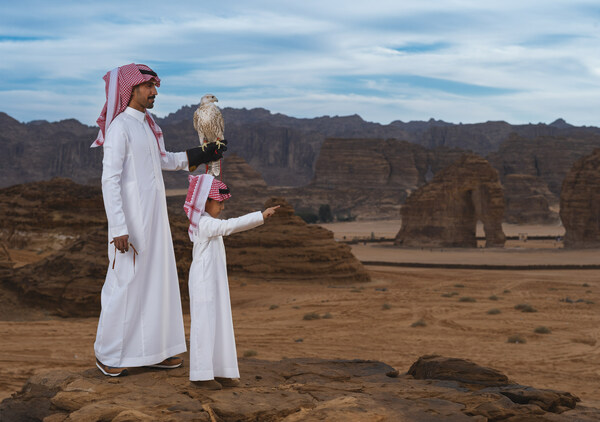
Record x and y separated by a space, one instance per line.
269 212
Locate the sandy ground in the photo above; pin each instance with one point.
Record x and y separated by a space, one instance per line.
373 321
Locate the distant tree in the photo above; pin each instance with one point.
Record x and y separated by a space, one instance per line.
325 214
308 216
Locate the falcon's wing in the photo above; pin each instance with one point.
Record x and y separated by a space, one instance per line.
198 125
217 123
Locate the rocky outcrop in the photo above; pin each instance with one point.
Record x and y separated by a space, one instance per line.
580 203
65 223
296 390
368 178
528 200
444 213
548 158
286 248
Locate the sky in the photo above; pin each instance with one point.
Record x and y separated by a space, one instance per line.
525 61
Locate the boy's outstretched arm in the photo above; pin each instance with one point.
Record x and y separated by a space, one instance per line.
269 211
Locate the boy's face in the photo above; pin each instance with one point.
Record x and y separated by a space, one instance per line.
214 207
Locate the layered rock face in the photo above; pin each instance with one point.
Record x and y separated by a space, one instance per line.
66 225
528 200
545 157
286 248
580 203
295 390
444 213
368 178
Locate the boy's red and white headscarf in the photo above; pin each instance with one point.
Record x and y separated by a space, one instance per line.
119 86
201 188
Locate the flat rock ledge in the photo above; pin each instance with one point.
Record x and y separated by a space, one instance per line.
434 389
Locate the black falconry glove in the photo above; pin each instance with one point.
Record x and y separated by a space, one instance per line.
211 152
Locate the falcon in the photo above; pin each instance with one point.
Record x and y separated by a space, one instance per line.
208 122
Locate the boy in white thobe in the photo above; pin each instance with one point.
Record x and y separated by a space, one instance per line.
213 357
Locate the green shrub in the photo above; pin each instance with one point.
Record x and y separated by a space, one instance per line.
466 299
419 323
524 307
542 330
493 311
250 353
516 339
310 316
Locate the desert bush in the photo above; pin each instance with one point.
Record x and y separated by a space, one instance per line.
419 323
585 285
325 214
327 316
506 291
542 330
460 286
516 339
493 297
310 316
451 294
524 307
493 311
250 353
466 299
273 307
386 306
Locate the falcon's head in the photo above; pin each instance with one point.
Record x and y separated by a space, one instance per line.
208 98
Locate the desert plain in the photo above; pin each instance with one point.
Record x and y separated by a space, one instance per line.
401 314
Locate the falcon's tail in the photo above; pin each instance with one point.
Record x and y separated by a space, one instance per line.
214 168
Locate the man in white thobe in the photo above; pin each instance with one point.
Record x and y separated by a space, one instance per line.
213 357
141 322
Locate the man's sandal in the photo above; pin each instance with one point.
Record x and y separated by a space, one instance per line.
110 371
168 363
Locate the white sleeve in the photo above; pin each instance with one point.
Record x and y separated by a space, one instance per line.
211 227
174 161
115 150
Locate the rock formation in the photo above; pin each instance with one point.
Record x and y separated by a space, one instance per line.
444 213
580 203
286 248
528 200
549 158
65 224
294 390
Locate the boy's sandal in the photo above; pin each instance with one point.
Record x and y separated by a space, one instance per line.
110 371
168 363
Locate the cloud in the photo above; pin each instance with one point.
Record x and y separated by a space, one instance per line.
386 60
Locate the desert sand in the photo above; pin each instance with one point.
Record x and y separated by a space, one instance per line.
373 321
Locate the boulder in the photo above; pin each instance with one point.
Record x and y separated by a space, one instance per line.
444 212
580 203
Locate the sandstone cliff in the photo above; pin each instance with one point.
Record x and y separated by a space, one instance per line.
580 203
294 390
528 200
545 157
61 226
444 213
368 178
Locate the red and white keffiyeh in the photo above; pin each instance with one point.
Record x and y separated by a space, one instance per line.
119 86
201 188
196 198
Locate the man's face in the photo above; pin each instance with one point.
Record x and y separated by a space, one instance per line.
214 208
143 96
